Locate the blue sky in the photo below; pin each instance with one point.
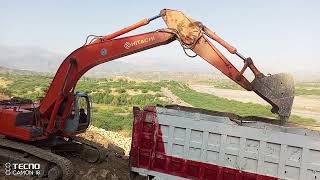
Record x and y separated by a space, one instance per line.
280 35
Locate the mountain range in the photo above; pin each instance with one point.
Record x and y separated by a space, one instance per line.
37 59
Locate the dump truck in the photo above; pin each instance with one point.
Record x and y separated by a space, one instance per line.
176 142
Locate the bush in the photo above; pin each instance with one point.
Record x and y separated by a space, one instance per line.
112 122
5 91
97 97
122 99
121 90
144 99
107 99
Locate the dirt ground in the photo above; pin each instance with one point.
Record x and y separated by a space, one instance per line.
304 106
115 167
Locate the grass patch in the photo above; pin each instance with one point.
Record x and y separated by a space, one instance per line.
301 88
211 102
305 91
226 84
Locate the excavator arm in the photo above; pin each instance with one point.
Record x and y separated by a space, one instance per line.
191 34
277 90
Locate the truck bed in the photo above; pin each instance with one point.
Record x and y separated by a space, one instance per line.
176 142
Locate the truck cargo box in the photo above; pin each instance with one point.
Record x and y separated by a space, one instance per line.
177 142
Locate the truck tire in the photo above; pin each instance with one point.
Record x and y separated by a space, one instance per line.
137 176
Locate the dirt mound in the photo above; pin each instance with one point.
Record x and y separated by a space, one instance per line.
111 140
115 167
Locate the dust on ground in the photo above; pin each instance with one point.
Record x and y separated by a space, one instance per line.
304 106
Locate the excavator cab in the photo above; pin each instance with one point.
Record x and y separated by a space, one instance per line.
80 115
277 89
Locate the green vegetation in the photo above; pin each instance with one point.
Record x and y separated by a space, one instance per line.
25 86
303 91
301 88
226 84
112 118
113 98
307 88
211 102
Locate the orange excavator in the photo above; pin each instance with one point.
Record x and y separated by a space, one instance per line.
42 132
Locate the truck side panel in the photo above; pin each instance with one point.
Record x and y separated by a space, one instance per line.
180 144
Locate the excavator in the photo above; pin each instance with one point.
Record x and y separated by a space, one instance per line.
44 132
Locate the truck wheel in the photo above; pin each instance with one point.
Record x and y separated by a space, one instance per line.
137 176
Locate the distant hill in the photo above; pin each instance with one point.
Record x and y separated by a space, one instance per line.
29 58
41 60
149 76
4 70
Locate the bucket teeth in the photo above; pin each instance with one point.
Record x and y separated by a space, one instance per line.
278 90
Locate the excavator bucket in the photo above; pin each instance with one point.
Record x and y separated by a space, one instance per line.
278 90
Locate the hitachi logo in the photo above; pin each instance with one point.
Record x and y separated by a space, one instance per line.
128 45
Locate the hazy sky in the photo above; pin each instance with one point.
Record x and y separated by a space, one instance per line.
280 35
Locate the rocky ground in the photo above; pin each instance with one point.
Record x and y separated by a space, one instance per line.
115 167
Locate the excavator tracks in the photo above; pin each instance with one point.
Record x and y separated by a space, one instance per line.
93 152
60 167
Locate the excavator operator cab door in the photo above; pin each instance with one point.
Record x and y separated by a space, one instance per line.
80 115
